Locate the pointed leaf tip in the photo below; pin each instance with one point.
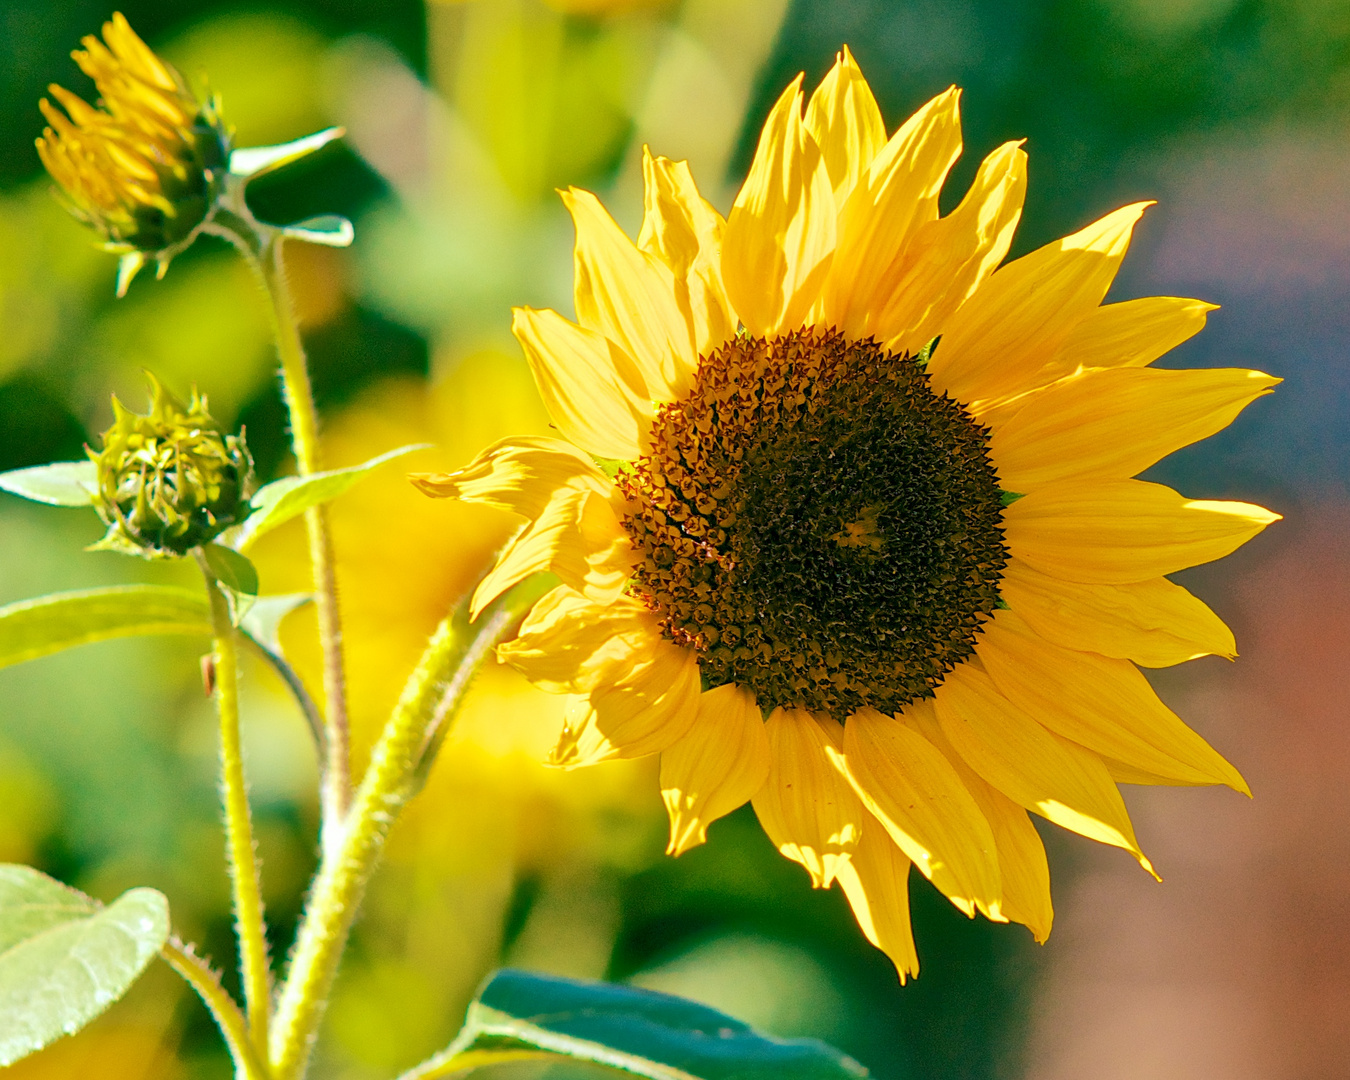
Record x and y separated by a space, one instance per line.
253 161
330 230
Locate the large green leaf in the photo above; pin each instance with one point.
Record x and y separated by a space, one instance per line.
64 958
33 628
287 498
62 483
522 1014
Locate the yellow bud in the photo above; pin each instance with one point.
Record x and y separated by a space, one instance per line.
144 167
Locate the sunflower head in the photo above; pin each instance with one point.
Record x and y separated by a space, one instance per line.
170 480
144 166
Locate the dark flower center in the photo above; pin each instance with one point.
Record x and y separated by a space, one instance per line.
818 523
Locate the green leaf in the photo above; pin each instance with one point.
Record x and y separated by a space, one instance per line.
254 161
330 230
657 1036
64 958
48 624
62 483
263 621
232 570
284 499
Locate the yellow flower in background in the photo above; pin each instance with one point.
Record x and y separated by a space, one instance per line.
142 168
846 524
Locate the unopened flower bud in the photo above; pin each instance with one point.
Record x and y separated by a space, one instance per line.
170 480
145 166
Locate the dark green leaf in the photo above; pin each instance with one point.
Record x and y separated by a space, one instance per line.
62 483
637 1031
34 628
64 958
284 499
232 570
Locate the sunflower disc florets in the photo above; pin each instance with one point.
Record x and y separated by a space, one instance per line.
170 480
145 166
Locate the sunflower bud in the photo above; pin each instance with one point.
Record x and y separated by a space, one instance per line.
146 165
170 480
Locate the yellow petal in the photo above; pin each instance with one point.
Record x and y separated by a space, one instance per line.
519 474
781 232
895 196
846 123
643 714
915 793
953 255
573 511
1155 623
715 767
1130 774
999 340
1024 872
1131 334
1103 704
1114 532
875 878
629 296
1115 422
571 644
591 389
806 807
1035 768
685 233
579 537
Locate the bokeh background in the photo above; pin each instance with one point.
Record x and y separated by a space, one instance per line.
463 119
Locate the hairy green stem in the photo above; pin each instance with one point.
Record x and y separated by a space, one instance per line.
197 973
243 856
261 246
455 1062
429 700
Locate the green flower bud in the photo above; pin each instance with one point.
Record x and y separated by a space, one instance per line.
170 480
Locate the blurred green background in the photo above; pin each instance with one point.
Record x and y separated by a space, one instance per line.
463 118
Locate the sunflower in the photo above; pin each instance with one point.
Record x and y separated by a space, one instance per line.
846 524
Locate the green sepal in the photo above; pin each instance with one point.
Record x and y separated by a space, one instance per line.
926 353
520 1014
330 230
281 500
62 483
253 161
50 624
1007 498
64 957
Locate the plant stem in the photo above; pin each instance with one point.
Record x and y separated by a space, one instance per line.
336 793
198 974
430 697
243 856
261 246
